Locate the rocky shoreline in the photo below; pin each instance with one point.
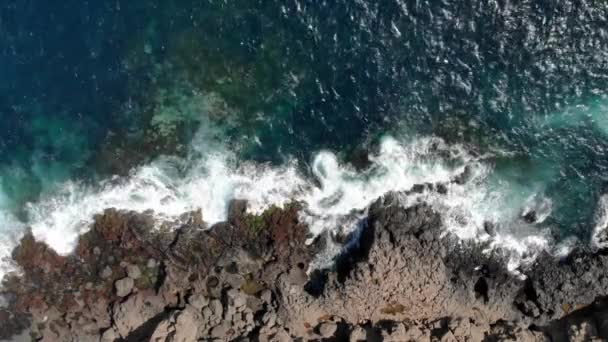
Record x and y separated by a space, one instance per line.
400 278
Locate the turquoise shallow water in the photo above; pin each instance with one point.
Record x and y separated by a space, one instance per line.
91 90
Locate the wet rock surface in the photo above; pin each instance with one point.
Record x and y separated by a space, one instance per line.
248 279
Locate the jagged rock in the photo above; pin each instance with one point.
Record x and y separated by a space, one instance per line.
163 332
135 311
405 280
186 325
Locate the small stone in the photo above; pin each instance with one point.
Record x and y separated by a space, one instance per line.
297 277
489 228
186 327
530 216
88 286
448 337
442 189
133 271
106 273
240 301
109 335
327 329
219 331
124 286
237 323
212 282
230 311
585 331
79 302
151 263
282 336
254 304
270 319
465 176
234 280
266 296
123 264
216 308
207 313
249 318
97 250
358 334
198 301
418 188
232 293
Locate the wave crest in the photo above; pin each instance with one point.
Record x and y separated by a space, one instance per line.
335 196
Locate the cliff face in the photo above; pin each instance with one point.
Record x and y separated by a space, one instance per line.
398 279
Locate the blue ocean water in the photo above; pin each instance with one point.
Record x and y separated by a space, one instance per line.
95 89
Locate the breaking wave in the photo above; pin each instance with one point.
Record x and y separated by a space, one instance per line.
10 231
335 194
599 238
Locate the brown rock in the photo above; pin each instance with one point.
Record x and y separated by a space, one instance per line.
32 255
405 280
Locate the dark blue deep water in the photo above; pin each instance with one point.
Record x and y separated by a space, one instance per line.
84 83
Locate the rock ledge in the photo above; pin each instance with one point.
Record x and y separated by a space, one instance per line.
246 279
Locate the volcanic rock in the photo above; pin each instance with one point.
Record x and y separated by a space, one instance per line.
402 279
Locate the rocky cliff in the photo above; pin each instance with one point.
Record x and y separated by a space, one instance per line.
398 278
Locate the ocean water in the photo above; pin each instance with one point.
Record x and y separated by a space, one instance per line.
171 107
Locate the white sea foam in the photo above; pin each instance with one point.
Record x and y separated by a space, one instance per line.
599 237
396 167
169 187
166 190
10 230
